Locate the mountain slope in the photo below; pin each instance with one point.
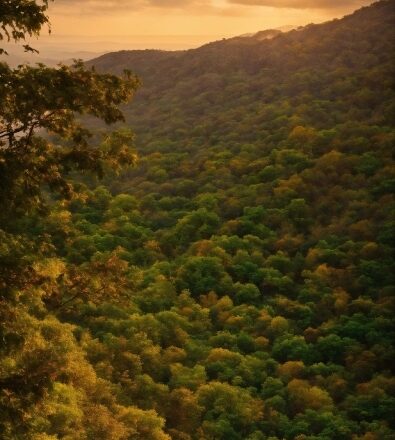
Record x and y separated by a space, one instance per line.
248 257
336 61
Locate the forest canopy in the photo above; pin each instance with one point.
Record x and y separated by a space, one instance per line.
234 283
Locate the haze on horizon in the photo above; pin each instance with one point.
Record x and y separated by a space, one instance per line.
92 27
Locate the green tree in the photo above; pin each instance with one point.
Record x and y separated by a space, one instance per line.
202 274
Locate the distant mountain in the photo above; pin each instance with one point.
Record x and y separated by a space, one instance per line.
15 60
269 33
17 56
263 35
286 28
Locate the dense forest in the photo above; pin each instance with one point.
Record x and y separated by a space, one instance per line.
235 280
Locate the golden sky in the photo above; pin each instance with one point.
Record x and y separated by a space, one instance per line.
102 25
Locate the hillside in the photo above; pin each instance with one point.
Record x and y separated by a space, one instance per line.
261 219
237 80
237 282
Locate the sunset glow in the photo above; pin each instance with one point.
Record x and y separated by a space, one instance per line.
176 24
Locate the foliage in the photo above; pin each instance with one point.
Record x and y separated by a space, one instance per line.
21 18
237 283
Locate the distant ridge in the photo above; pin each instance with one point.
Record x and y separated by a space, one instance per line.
252 51
263 35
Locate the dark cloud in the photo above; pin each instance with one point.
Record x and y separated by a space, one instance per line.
304 4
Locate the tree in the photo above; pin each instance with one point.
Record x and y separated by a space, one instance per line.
20 18
302 395
41 142
202 275
195 226
229 410
43 99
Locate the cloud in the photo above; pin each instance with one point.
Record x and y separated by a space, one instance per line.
197 7
102 8
304 4
116 6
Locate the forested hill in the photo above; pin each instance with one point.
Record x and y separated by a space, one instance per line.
259 228
233 89
237 282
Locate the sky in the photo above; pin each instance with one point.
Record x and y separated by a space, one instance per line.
98 26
